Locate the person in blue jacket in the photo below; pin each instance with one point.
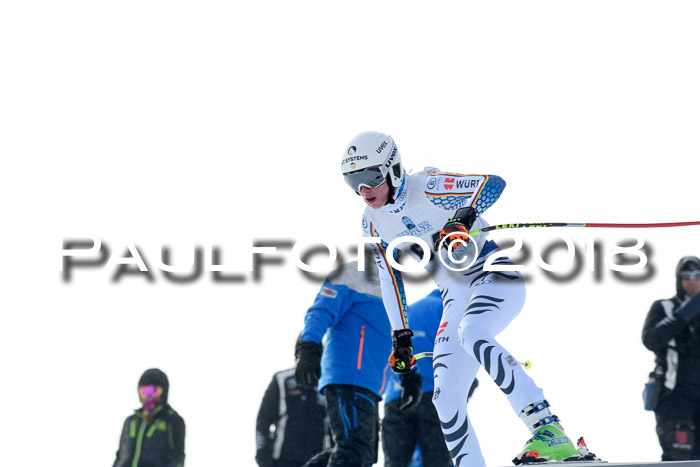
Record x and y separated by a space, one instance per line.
351 369
411 432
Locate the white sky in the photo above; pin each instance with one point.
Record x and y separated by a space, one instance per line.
182 123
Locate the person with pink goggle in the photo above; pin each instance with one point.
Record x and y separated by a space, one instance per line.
155 434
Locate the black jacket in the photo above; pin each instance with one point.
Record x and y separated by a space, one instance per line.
298 419
672 332
160 444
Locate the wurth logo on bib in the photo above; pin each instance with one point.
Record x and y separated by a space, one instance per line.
439 339
449 183
470 183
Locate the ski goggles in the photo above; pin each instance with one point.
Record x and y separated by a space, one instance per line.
690 275
370 177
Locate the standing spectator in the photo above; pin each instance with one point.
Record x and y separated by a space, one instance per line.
154 436
291 425
352 366
672 332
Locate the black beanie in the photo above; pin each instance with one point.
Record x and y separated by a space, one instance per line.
155 377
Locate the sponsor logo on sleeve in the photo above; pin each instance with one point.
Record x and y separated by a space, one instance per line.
328 292
469 183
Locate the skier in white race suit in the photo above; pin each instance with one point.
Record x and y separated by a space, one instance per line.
439 208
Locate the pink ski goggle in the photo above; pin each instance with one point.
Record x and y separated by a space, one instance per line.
150 392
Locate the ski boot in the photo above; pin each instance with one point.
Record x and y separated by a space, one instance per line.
548 442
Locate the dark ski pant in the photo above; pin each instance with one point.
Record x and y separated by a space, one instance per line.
354 421
403 431
678 426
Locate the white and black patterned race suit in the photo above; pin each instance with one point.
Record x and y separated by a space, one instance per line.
478 304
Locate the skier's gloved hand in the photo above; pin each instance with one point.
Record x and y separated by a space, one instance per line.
690 310
411 390
308 369
457 228
402 359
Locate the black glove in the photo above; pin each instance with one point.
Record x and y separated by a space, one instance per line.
402 359
308 369
411 390
458 226
690 309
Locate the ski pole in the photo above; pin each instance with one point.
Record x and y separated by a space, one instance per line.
423 355
580 224
527 364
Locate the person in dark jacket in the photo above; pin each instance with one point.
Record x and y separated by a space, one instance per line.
672 332
292 425
154 436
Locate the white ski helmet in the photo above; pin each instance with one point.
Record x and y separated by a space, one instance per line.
370 159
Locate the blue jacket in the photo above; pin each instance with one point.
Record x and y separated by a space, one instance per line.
423 319
349 311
